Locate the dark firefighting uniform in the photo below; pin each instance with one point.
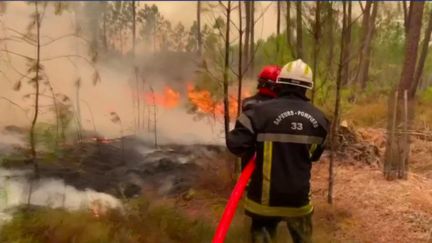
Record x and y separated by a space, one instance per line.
247 104
287 133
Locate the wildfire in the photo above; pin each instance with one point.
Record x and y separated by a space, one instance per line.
168 99
205 103
203 100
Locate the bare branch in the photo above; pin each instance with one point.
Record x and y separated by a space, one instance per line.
262 13
361 6
223 5
17 54
68 56
61 38
22 35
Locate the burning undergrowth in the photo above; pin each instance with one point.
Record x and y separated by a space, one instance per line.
200 100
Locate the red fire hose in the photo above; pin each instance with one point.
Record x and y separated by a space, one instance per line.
233 201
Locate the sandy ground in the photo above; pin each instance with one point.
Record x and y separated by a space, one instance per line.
368 208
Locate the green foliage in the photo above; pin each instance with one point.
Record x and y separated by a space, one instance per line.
426 96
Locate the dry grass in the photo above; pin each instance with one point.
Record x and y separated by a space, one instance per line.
370 114
141 223
373 209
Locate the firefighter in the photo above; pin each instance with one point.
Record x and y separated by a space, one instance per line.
266 82
266 91
287 134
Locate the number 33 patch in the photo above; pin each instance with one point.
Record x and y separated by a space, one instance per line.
296 126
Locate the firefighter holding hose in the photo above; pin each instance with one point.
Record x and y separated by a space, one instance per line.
287 134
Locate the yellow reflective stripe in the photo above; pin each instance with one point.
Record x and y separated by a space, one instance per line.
266 181
306 71
288 138
312 149
289 66
264 210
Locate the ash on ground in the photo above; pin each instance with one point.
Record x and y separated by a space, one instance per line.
125 167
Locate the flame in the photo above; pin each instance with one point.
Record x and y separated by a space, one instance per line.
168 99
205 103
97 208
102 140
203 100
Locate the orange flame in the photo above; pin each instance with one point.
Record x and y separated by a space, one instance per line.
201 99
204 102
168 99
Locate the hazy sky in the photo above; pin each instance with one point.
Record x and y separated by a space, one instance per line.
185 11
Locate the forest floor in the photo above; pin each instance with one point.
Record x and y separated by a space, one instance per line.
366 207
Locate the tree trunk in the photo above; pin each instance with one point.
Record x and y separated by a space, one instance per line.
252 37
135 68
278 26
369 47
316 49
137 98
154 117
226 68
397 147
347 47
78 110
299 25
363 37
288 29
406 11
330 40
247 33
36 80
133 27
335 122
422 59
199 28
36 111
368 29
240 60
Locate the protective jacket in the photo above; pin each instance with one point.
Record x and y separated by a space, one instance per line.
287 133
249 102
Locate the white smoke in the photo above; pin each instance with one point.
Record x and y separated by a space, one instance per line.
54 193
113 94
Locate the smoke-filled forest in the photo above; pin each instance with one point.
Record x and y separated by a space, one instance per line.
115 117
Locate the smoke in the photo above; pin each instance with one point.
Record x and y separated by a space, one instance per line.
14 190
113 94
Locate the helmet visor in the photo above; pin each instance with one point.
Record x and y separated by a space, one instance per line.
295 82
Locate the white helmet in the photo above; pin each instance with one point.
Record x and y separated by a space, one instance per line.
296 73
